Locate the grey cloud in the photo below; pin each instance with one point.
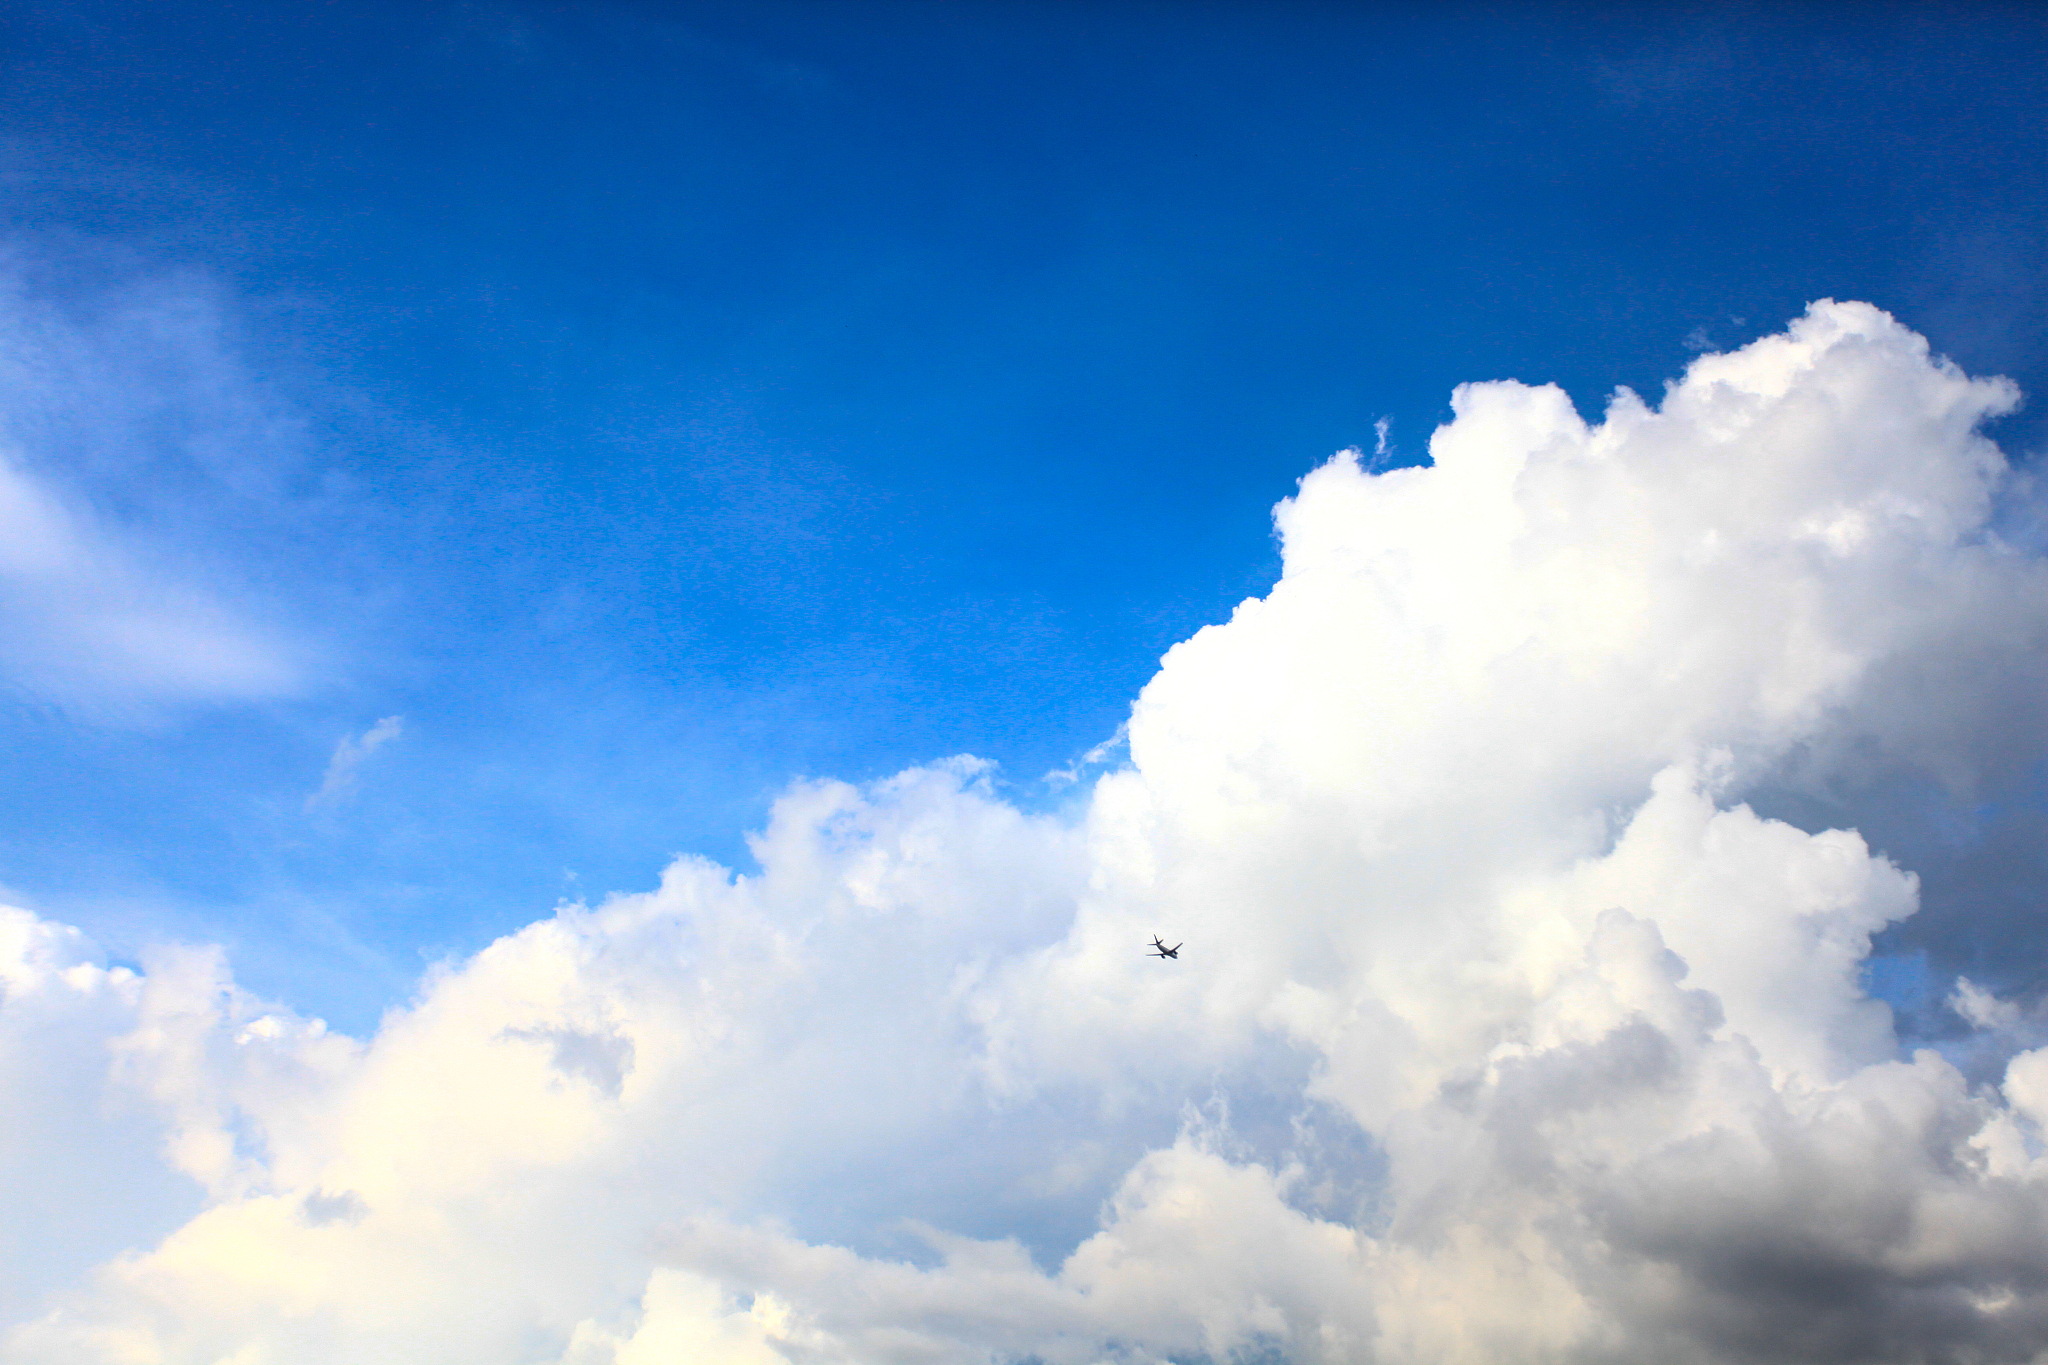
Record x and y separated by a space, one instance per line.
602 1060
323 1208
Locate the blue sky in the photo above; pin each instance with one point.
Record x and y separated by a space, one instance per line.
651 403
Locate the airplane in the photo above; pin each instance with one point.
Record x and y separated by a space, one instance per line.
1164 951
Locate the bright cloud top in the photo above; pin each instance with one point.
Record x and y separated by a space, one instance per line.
1504 1030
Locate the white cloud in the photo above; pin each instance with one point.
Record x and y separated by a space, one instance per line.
130 386
79 1173
1504 1029
82 615
1095 757
1981 1008
344 769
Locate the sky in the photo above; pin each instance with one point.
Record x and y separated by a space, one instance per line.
618 621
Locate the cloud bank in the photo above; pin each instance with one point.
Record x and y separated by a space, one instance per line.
1505 1029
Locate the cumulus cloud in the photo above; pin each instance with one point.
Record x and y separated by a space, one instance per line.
1505 1029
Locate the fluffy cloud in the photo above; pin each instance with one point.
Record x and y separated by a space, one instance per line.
1505 1029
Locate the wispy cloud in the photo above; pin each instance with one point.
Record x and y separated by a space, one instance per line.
125 426
1067 776
85 618
344 769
